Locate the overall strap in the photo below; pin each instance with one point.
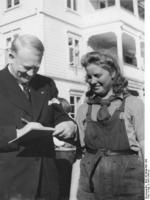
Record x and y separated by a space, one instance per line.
89 111
122 107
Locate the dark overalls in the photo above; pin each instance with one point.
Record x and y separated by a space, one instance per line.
110 170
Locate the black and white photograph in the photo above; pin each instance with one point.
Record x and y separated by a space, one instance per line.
74 81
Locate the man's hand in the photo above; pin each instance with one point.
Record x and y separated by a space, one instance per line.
65 130
28 127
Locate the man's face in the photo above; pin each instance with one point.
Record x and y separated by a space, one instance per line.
25 64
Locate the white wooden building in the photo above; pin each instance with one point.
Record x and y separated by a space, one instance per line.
70 28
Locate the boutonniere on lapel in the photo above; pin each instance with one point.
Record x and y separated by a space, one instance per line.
42 92
56 104
53 101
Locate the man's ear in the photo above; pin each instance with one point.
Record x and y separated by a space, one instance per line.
11 55
113 74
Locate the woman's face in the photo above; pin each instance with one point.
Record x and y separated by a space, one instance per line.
99 79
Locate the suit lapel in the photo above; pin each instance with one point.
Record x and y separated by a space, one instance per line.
11 90
37 100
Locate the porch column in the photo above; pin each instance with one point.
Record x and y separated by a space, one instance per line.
135 7
117 3
138 52
120 48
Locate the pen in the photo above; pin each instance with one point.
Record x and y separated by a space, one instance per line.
25 120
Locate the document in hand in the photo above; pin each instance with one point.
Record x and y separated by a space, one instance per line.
37 133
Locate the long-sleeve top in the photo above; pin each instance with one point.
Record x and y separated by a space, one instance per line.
133 116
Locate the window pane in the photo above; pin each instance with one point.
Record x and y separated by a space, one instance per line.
78 98
127 4
71 56
74 5
129 49
142 49
71 100
9 3
142 55
111 2
8 42
70 41
71 51
69 3
102 4
16 2
76 52
72 109
141 9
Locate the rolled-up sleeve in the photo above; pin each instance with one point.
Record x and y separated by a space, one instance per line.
134 121
80 119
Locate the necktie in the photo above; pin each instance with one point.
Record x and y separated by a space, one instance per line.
26 91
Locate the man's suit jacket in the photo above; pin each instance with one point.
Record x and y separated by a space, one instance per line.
20 166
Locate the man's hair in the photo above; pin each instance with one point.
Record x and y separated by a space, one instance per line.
29 41
109 63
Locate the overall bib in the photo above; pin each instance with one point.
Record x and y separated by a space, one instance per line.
110 170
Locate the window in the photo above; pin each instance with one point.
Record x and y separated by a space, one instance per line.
74 53
74 100
72 4
127 4
111 2
142 46
9 3
100 4
16 2
141 9
129 50
8 45
12 3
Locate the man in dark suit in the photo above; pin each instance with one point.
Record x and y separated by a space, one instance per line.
29 172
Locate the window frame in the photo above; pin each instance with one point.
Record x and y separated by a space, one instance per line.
106 4
9 36
72 5
13 4
75 104
129 54
123 6
74 59
142 54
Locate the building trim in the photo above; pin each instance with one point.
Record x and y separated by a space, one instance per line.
121 23
74 33
66 80
125 28
75 91
19 19
61 20
136 81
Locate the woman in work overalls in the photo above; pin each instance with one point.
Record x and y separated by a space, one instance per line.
111 130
